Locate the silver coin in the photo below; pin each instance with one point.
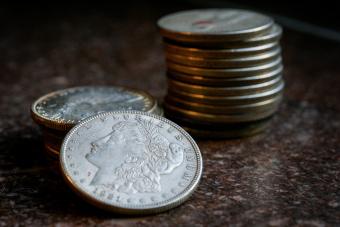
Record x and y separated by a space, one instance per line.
65 108
226 72
214 63
213 25
131 162
236 81
271 35
219 53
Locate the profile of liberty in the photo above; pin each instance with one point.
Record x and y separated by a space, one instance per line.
133 157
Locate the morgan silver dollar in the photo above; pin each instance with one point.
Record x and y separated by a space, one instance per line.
63 109
131 162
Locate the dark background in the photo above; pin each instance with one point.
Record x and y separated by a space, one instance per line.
286 176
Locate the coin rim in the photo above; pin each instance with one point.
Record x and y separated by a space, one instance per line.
218 63
262 39
218 81
133 209
216 109
225 72
224 90
208 37
223 53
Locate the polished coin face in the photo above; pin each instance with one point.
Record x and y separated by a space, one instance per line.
226 72
213 25
63 109
131 162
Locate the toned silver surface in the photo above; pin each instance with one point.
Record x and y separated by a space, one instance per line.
215 22
131 162
71 105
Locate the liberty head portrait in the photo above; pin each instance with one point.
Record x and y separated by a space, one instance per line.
132 157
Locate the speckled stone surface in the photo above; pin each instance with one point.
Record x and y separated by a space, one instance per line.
289 175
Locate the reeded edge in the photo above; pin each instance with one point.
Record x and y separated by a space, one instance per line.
275 90
224 72
206 37
223 53
67 125
222 91
162 206
216 109
271 35
200 60
218 118
216 82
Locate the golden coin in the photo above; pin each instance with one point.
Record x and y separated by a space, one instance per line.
219 53
227 100
215 63
220 81
214 109
217 118
225 73
224 91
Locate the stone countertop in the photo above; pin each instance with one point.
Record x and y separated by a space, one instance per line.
288 175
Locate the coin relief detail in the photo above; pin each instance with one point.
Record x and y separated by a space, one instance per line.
131 160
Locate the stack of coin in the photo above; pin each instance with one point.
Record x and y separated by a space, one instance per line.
224 71
57 112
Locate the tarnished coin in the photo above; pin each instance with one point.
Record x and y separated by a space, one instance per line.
216 109
217 118
230 131
131 162
220 81
213 25
214 63
224 91
227 72
227 100
63 109
219 53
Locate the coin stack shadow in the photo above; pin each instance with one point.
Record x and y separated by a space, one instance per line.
222 86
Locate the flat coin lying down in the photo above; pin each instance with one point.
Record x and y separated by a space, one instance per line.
131 162
65 108
213 25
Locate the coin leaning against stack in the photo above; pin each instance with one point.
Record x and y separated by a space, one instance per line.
57 112
224 71
131 160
